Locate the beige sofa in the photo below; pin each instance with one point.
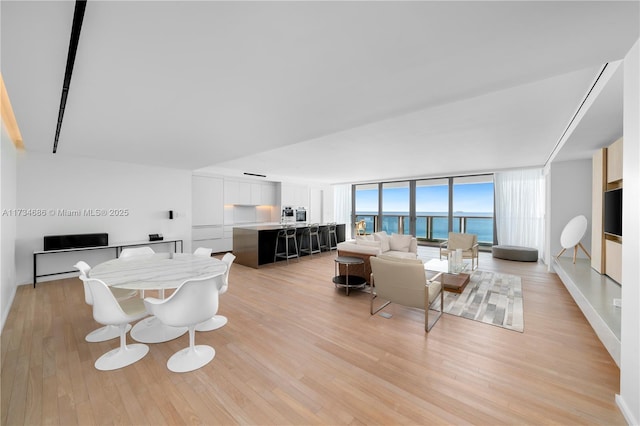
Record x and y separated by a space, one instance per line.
365 246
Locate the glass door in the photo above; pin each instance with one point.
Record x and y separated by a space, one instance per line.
473 206
366 199
396 205
432 209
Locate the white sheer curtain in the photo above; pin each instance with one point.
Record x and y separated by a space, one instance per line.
520 208
342 207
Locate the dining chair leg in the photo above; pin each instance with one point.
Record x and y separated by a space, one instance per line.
123 355
105 333
191 358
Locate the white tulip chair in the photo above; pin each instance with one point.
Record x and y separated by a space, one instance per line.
203 251
106 332
218 321
108 311
194 301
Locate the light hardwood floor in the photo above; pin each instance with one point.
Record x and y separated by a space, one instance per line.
298 351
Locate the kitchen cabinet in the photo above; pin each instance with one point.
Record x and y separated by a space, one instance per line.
268 194
294 195
237 192
207 200
248 193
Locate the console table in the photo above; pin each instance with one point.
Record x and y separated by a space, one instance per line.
117 247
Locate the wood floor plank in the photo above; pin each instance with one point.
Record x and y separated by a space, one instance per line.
297 350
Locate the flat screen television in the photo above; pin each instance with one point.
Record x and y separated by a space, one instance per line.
613 212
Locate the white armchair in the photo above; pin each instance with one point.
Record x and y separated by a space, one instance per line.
468 243
404 281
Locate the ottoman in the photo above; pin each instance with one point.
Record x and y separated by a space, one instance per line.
521 254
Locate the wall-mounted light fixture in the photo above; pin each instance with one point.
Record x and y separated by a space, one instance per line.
170 214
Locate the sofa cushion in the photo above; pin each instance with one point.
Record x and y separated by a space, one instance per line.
352 246
399 242
364 238
384 240
400 257
402 254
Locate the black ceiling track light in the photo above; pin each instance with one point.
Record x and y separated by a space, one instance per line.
78 16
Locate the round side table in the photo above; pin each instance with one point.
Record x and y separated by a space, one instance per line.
348 281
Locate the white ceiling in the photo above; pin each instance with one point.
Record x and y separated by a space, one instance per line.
322 91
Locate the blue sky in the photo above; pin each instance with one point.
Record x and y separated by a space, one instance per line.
474 197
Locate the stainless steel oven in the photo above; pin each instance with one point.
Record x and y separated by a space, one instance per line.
301 214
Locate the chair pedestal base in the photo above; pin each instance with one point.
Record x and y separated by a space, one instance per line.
212 324
151 330
121 357
105 333
191 358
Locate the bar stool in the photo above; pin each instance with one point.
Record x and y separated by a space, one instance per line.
286 235
311 231
331 242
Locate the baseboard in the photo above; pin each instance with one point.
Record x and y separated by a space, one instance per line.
7 308
628 416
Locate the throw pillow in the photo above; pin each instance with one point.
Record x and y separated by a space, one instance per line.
399 242
384 240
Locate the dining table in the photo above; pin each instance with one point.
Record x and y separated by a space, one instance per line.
158 271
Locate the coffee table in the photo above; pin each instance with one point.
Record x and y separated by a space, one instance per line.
451 281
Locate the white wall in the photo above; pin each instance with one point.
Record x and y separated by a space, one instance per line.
7 226
569 195
54 182
629 398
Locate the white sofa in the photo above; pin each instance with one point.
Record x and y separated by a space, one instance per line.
365 246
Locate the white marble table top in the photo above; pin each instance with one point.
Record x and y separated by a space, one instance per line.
156 271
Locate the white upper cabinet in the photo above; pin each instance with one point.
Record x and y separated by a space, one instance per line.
256 194
295 195
268 194
249 193
237 192
207 204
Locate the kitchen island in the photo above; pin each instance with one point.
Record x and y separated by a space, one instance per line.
255 245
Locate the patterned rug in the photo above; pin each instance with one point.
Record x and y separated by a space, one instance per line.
491 298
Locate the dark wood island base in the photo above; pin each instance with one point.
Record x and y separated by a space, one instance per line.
254 246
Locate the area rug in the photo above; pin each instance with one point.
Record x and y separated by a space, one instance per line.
491 298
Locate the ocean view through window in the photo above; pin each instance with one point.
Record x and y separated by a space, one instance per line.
387 207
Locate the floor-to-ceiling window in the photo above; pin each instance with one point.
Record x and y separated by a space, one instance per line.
428 208
432 209
395 208
473 206
366 202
